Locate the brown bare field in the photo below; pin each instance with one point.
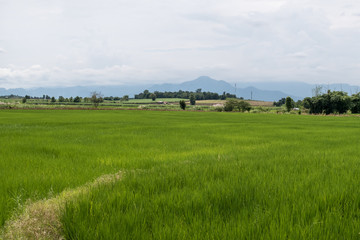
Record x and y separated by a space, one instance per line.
252 103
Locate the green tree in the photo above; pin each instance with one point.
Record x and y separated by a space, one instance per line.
307 103
289 103
125 98
230 104
96 98
24 100
146 94
77 99
53 99
192 99
330 102
243 106
153 96
355 103
340 102
61 99
280 102
182 104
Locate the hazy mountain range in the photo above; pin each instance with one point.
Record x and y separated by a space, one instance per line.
266 91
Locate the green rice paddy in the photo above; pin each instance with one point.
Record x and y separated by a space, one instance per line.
196 175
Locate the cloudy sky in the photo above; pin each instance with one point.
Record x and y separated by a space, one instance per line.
113 42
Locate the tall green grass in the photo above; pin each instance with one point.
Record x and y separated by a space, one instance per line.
43 152
243 176
187 174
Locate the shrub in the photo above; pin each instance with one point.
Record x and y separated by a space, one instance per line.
244 106
182 104
219 109
125 98
232 104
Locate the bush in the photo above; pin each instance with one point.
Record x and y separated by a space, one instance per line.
229 106
125 98
182 104
244 106
233 104
262 109
219 109
198 108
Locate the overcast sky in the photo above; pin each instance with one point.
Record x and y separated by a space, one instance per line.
113 42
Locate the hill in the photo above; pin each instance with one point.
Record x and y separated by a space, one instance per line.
220 86
265 91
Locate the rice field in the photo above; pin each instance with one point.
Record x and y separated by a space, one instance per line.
196 175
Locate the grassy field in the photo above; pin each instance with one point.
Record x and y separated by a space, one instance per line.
252 102
197 175
144 101
171 104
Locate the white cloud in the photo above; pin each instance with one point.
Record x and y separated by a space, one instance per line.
112 42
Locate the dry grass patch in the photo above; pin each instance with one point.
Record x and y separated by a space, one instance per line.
41 219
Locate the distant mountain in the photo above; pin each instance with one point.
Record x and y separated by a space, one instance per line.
266 91
300 89
82 91
203 82
220 86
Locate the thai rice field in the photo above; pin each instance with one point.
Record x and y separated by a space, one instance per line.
125 174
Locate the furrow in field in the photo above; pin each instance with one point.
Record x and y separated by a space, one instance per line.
41 219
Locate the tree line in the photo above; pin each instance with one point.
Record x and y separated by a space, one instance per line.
333 102
198 94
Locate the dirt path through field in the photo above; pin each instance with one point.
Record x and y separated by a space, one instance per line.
41 219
